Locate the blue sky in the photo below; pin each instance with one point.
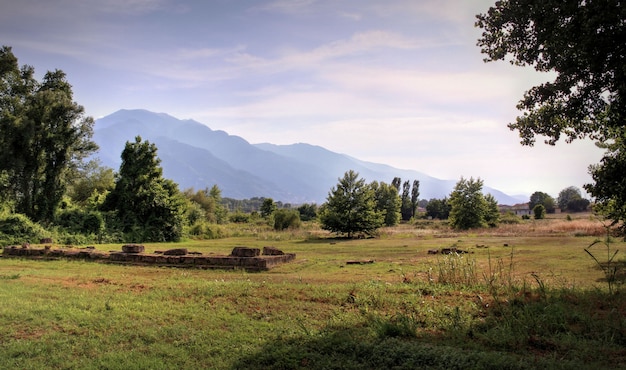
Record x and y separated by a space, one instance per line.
399 82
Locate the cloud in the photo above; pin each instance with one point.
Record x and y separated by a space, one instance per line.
286 6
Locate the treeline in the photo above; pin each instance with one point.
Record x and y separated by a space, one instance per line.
47 189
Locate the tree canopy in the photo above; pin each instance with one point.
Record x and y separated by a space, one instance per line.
350 207
582 44
544 199
149 207
469 208
43 135
571 199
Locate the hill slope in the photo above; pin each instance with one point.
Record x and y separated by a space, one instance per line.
195 156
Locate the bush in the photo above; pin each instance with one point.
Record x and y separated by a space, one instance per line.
17 229
204 230
510 218
239 217
539 211
286 219
79 221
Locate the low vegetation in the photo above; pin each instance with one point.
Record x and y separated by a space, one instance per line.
524 295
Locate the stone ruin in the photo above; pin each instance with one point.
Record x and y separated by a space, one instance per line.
250 259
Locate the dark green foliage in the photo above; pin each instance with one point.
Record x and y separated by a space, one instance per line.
308 212
544 199
438 209
415 193
409 200
609 187
239 217
406 209
582 44
44 134
571 200
149 207
539 211
268 207
18 229
80 221
286 219
350 207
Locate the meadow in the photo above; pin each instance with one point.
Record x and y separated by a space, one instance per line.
524 296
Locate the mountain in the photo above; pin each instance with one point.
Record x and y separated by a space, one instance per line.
195 156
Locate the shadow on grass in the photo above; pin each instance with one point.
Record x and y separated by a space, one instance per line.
560 329
350 348
620 271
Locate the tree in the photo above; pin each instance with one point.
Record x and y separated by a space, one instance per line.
469 208
149 207
219 211
542 198
90 180
581 44
415 193
438 209
492 213
409 198
350 207
308 212
43 135
396 182
405 208
570 199
387 202
268 207
609 187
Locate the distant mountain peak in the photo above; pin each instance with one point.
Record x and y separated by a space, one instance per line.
195 156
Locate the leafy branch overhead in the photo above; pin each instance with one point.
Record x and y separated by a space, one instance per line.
582 43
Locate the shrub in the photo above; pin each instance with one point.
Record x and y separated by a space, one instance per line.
80 221
205 230
239 217
17 229
539 211
510 218
286 219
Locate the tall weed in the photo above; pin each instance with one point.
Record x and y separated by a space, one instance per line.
456 269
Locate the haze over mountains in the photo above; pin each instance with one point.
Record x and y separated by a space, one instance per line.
194 156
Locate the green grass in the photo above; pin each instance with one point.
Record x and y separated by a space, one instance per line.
539 302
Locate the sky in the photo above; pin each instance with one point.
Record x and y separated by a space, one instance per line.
399 82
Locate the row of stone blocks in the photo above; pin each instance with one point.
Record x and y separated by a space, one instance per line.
241 257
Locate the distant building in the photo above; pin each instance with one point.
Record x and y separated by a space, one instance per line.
518 209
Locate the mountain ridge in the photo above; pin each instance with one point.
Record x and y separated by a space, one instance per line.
194 155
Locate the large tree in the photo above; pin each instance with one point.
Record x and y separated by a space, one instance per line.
541 198
582 44
469 208
438 209
43 135
350 207
387 202
148 206
570 199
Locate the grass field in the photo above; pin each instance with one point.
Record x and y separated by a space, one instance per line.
525 296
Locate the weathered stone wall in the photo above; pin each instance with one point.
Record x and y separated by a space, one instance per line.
173 258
